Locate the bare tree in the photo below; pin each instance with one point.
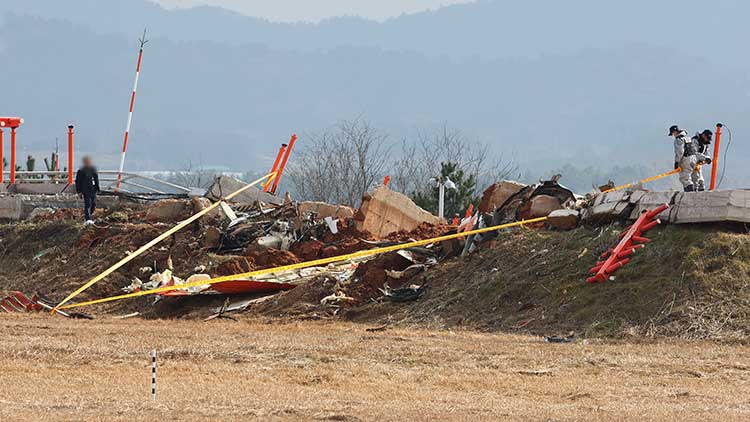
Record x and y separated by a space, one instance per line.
341 164
422 159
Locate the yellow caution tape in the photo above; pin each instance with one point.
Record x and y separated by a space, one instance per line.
314 263
163 236
649 179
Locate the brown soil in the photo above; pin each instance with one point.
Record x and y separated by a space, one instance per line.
272 258
423 231
52 368
234 265
371 276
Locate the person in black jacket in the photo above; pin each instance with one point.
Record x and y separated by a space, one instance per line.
87 186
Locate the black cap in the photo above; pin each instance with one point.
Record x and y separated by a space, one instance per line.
673 129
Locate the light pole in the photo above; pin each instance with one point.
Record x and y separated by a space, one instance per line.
442 183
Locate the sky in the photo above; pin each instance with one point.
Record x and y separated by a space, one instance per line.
317 10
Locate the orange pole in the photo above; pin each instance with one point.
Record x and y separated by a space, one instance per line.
70 154
715 160
470 211
281 168
275 167
1 157
12 156
386 180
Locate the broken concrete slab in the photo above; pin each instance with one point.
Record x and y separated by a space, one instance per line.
386 211
711 206
564 219
224 185
497 193
323 210
615 196
606 212
651 200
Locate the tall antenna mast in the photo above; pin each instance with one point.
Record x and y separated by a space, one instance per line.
143 42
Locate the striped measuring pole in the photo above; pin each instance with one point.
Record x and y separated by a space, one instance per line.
143 42
153 374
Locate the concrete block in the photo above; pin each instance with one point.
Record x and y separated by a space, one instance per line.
564 219
10 208
386 211
45 188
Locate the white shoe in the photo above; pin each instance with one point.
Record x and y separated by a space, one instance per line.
89 223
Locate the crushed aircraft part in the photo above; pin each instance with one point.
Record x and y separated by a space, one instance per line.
497 193
519 206
335 299
405 294
321 210
271 283
223 185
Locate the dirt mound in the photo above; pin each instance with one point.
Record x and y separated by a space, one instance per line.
371 276
270 258
233 265
691 282
423 231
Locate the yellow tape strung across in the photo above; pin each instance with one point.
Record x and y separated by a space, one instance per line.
163 236
650 179
315 263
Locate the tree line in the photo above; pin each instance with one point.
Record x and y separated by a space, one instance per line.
342 163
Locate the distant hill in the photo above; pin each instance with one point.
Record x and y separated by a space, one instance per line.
488 28
597 86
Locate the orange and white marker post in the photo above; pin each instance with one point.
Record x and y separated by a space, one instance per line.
143 42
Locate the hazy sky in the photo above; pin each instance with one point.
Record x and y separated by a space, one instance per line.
315 10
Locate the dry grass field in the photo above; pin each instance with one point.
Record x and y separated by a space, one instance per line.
57 369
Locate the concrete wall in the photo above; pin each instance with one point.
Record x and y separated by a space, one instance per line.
18 207
685 207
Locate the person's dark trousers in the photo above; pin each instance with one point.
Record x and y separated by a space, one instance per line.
89 205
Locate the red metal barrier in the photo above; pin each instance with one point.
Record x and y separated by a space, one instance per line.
630 241
19 302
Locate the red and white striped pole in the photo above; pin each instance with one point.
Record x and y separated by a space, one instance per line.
143 42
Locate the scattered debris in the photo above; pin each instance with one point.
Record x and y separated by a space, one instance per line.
406 294
555 339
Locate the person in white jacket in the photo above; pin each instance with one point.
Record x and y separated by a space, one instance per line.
702 141
686 157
